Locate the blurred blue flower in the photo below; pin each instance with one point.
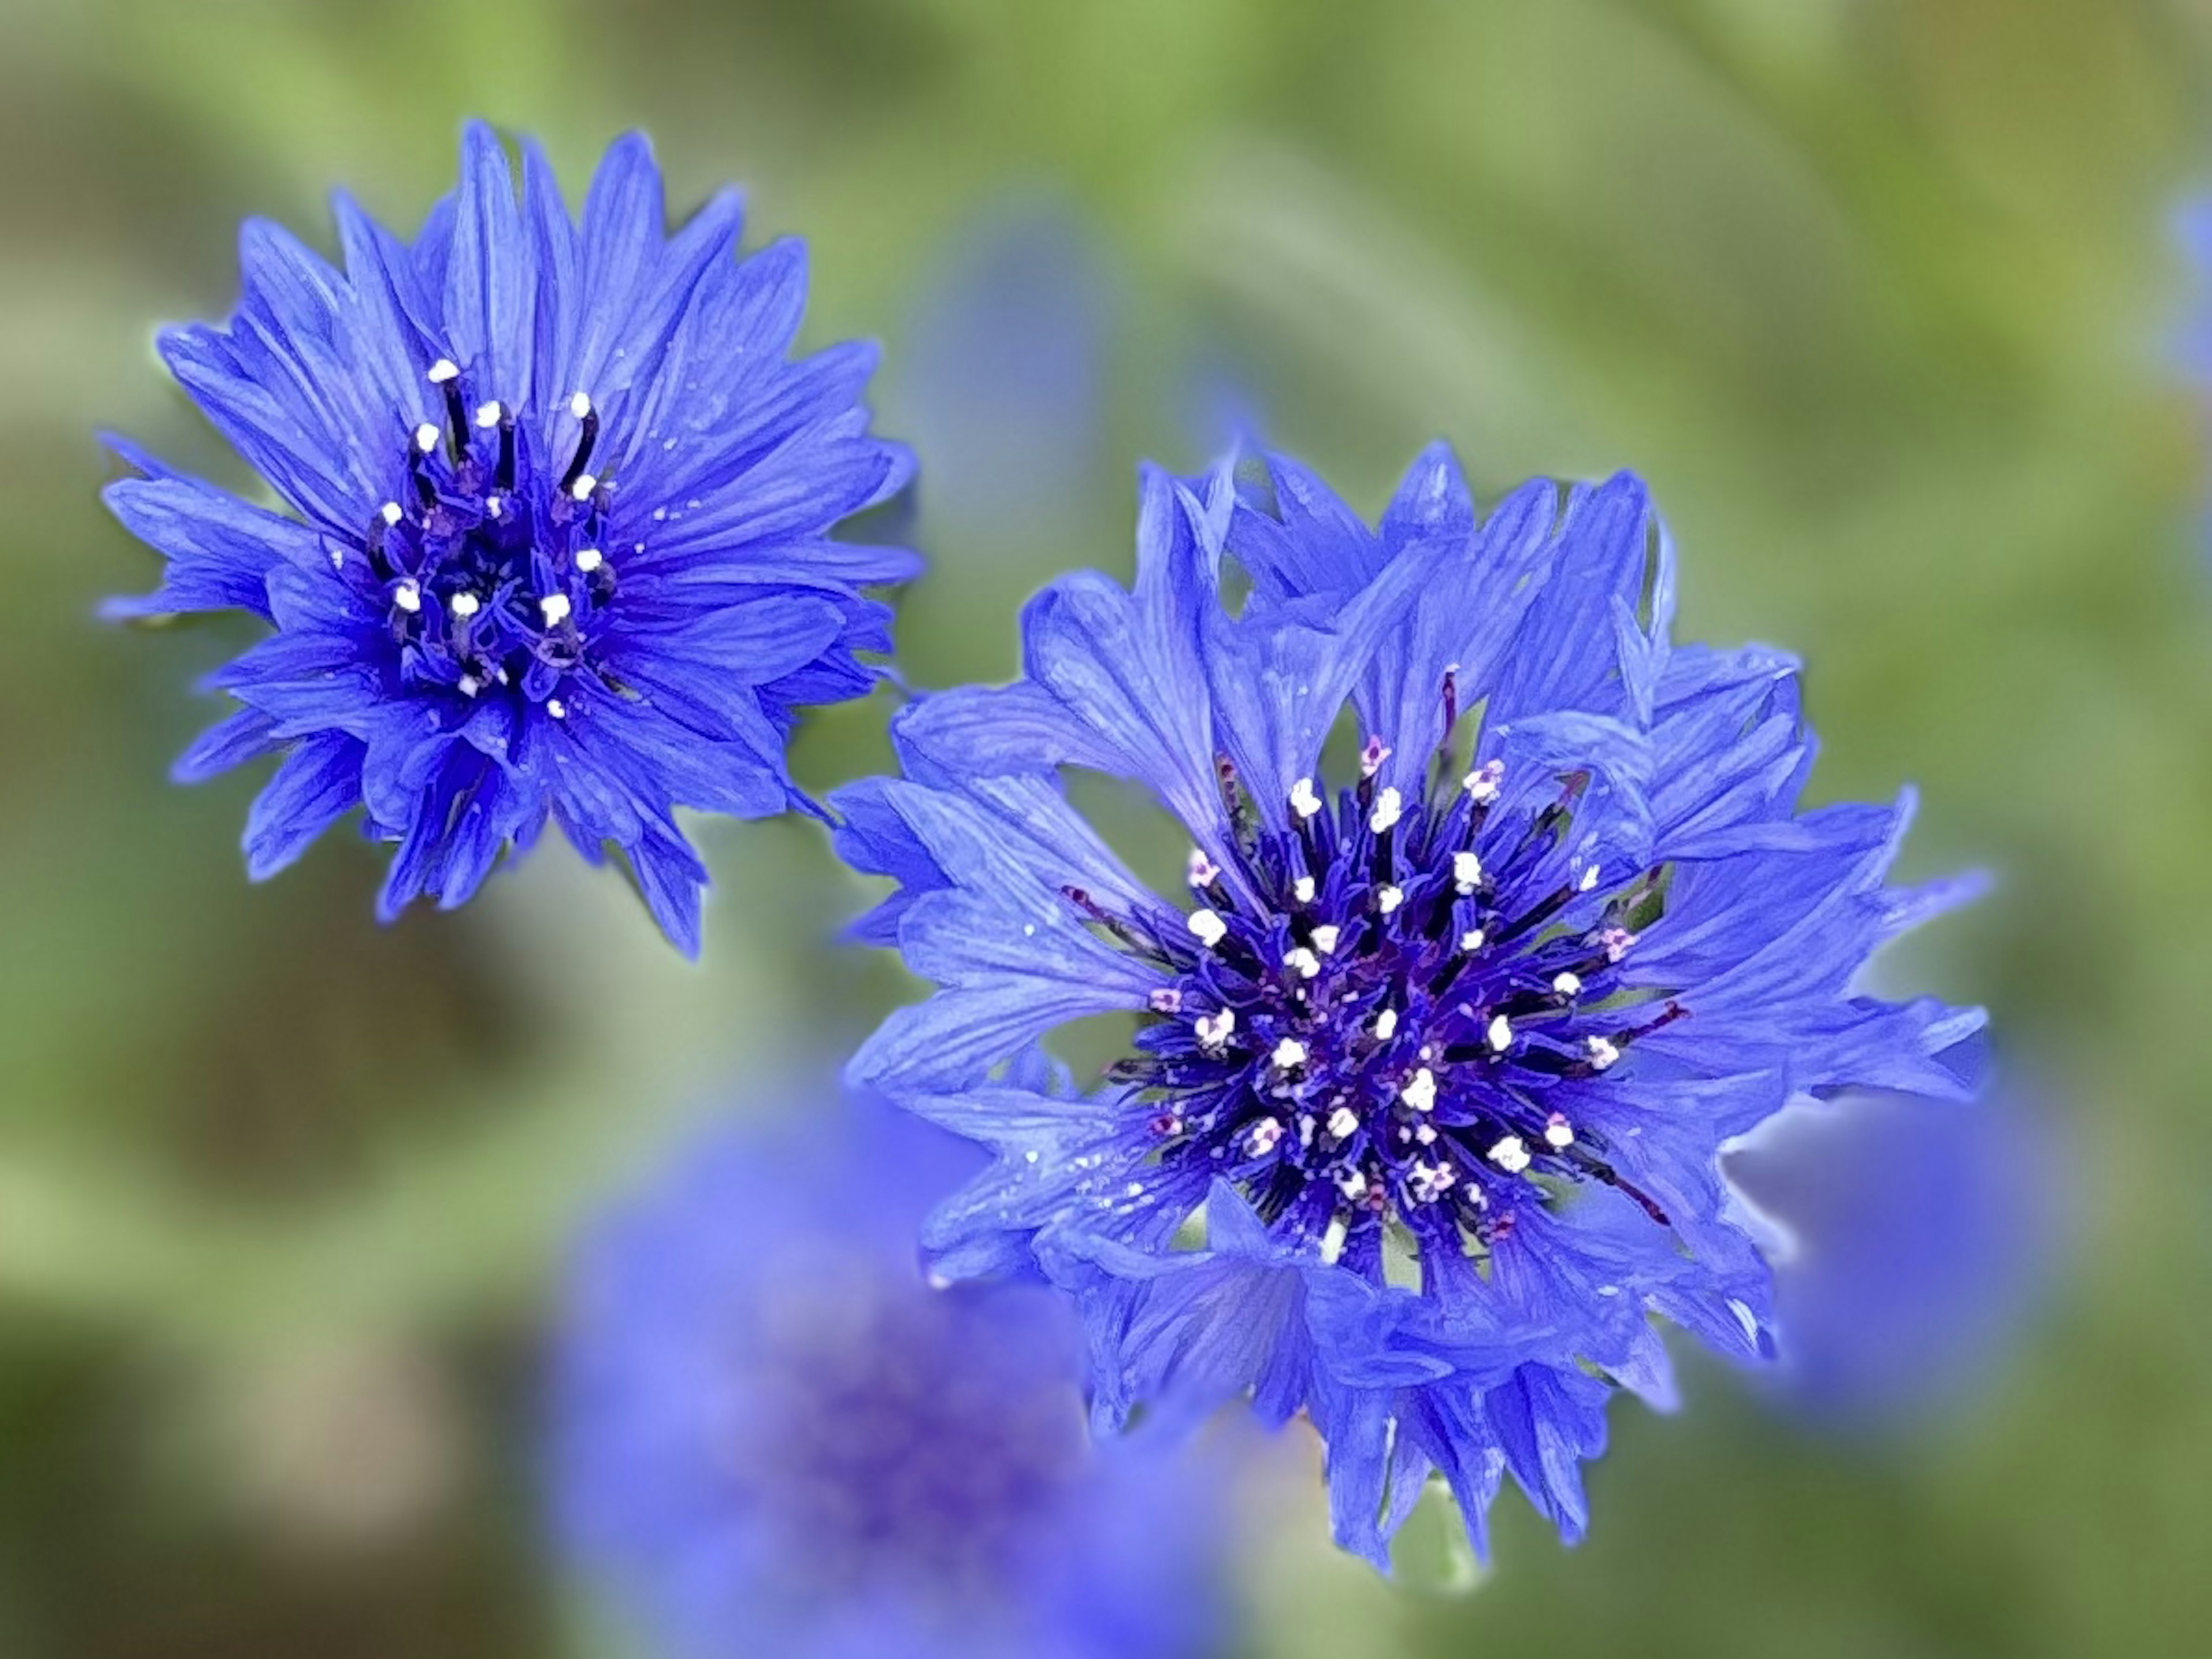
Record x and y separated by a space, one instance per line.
770 1437
1443 1056
559 539
1914 1235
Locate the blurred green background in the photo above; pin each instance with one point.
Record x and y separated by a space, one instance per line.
1878 294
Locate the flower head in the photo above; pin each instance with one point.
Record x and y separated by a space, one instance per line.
556 528
1444 1036
771 1438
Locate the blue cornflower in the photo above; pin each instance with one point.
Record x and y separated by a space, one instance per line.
1444 1044
770 1437
558 537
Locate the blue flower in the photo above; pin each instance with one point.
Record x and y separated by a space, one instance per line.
1444 1041
556 528
771 1438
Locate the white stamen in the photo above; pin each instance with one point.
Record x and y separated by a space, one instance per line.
1302 961
1500 1033
487 415
1290 1054
1467 872
1353 1184
338 558
1263 1137
581 490
1372 757
1589 880
1559 1134
1165 1000
471 685
579 405
1209 927
465 604
1471 939
1425 1133
1567 985
1602 1053
389 513
1199 870
408 597
426 437
443 370
554 607
589 559
1332 1241
1511 1155
1481 784
493 504
1213 1032
1390 807
556 709
1302 889
1325 936
1304 801
1388 899
1420 1090
1616 941
1343 1123
1386 1024
1431 1181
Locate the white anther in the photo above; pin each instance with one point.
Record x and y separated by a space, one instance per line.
1214 1032
1589 880
589 559
1386 1024
1431 1181
1481 784
1372 757
1209 927
1290 1054
1332 1241
426 437
1390 807
1425 1133
579 405
1165 1000
554 607
1467 872
1559 1134
492 505
1420 1090
408 597
1567 985
1602 1053
1325 936
581 490
1353 1184
1302 889
556 709
1343 1123
1388 899
1199 870
1500 1033
471 685
338 558
443 370
1302 961
1263 1137
1471 939
1306 1129
487 415
389 513
1304 801
1616 941
1511 1155
465 604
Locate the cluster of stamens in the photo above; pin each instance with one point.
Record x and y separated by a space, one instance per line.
1370 1006
491 575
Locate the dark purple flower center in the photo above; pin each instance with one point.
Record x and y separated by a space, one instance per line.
489 566
910 1439
1372 1008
